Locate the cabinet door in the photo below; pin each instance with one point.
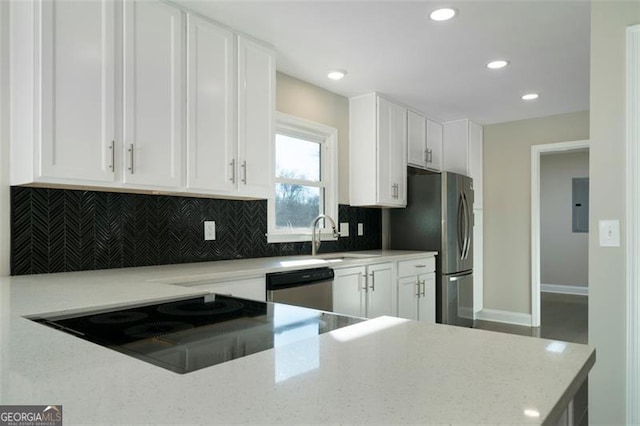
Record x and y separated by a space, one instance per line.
427 299
256 108
392 153
475 162
408 297
434 145
416 140
78 87
380 290
153 102
456 147
349 292
211 147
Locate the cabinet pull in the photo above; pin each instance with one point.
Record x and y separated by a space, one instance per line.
131 158
233 170
418 288
365 288
424 288
113 156
244 172
373 282
420 266
395 191
429 156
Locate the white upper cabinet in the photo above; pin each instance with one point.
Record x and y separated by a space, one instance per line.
378 152
153 99
138 95
463 148
211 142
256 109
77 91
434 145
424 140
476 147
417 140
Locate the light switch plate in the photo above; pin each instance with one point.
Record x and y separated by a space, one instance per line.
609 233
360 229
344 229
209 230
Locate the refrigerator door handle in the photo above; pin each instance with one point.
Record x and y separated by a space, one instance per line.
461 234
467 226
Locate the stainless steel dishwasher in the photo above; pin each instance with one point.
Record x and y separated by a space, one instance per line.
310 288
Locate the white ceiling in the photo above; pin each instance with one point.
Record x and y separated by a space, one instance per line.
438 68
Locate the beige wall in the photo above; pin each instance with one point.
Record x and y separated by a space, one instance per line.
564 254
607 288
304 100
4 142
507 203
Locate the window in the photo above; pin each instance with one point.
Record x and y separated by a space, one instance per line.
306 178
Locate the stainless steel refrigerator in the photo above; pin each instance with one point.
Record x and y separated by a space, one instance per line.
439 217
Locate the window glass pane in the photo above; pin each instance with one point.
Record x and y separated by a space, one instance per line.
296 205
297 158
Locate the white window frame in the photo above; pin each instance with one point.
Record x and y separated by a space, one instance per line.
328 138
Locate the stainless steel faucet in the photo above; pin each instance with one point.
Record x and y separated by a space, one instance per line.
315 238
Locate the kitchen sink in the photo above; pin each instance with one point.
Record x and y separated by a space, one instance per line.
345 256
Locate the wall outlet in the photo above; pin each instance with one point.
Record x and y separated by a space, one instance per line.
360 229
209 230
344 229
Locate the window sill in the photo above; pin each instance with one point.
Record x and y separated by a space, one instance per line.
284 237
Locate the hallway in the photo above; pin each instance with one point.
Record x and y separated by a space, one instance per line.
563 317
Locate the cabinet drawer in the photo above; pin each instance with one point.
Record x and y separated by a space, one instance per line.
412 267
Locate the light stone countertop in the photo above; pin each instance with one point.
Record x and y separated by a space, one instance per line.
384 370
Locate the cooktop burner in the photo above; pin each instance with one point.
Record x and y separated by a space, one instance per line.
184 335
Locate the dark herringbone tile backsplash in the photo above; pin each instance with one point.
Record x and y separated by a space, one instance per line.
56 230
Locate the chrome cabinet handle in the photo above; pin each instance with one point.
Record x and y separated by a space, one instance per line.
244 172
418 287
395 191
373 282
420 266
233 170
113 156
365 288
426 156
424 288
131 169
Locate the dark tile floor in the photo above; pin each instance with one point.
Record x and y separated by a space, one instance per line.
562 317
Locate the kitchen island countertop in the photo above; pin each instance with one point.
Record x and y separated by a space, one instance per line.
384 370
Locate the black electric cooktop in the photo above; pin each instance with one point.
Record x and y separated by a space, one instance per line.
187 334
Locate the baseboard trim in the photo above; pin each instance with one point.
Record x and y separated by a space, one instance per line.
495 315
565 289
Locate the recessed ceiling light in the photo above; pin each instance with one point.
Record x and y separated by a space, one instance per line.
497 64
530 97
336 74
443 14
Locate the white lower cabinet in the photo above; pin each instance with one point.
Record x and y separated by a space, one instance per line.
246 288
417 289
365 291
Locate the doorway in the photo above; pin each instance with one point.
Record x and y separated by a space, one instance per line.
567 297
